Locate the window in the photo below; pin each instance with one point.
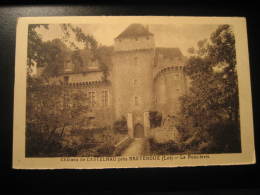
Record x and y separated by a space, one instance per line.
135 61
104 98
66 79
176 76
136 101
135 82
92 97
155 100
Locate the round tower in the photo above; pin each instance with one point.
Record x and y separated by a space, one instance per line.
169 80
132 77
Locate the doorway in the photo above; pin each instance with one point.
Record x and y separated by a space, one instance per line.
139 131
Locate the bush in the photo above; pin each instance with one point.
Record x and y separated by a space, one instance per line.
167 148
120 126
155 118
38 144
105 150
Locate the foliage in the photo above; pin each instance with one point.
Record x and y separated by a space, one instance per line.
155 118
51 110
104 56
102 142
49 54
97 52
55 53
210 112
120 125
88 40
35 44
77 60
55 112
167 148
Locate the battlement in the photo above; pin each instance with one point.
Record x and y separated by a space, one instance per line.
167 68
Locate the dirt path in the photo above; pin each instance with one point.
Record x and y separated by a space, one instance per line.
139 147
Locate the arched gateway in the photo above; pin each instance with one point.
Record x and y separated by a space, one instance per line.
138 131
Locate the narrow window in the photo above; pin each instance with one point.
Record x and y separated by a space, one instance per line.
136 101
92 97
135 83
104 98
135 61
176 76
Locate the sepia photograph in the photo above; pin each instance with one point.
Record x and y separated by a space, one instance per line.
124 92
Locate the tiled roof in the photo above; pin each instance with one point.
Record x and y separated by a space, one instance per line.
134 30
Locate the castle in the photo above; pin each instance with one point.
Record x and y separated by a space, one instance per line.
143 78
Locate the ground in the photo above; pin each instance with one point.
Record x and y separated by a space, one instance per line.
139 147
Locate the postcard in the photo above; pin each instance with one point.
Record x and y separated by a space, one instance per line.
101 92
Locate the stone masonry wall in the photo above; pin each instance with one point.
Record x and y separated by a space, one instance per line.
132 82
129 44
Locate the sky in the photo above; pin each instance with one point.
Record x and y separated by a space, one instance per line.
182 36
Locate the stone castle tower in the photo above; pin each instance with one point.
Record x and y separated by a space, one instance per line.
132 77
145 78
169 80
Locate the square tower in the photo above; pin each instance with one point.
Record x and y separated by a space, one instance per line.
132 73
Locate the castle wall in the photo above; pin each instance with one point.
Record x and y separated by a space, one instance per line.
98 99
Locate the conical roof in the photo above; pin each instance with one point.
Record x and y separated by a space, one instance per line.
134 30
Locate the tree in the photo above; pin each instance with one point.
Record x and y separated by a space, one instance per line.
155 119
210 112
104 56
55 53
35 44
50 111
97 52
55 109
88 40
